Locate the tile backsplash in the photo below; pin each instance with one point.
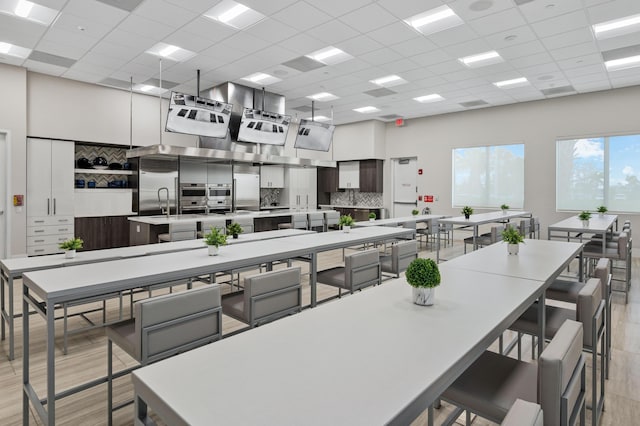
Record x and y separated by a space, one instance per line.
268 196
361 198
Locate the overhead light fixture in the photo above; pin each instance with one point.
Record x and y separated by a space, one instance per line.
434 20
329 56
171 52
23 8
482 59
323 97
318 118
4 47
28 10
261 78
389 81
617 27
434 97
13 50
622 63
234 14
149 89
366 110
509 84
146 88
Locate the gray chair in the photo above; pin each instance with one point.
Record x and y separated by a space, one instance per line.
524 413
361 269
265 297
402 253
429 232
491 385
590 312
298 221
208 223
179 231
620 253
246 223
331 219
164 326
316 221
486 239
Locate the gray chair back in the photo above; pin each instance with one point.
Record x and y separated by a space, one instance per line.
331 218
219 223
362 269
246 223
179 231
402 253
173 323
316 220
272 295
299 221
523 413
589 303
561 376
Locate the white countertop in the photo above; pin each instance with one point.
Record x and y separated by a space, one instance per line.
350 206
162 219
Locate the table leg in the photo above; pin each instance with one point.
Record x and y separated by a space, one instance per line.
10 319
475 237
313 276
542 321
25 357
438 247
51 365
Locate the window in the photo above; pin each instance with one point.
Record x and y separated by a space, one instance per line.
598 171
489 176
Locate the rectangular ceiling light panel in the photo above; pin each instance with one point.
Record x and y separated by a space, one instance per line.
482 59
617 27
126 5
389 81
261 78
13 50
323 97
28 10
329 56
171 52
435 20
366 110
234 14
510 84
622 58
434 97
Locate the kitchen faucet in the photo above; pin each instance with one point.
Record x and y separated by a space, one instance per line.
160 202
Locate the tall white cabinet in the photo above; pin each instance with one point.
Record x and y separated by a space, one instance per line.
302 188
271 177
50 195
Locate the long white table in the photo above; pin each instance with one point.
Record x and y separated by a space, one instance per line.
538 260
11 269
475 220
371 358
397 221
598 225
42 290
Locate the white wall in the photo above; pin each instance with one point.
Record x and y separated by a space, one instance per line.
536 124
357 141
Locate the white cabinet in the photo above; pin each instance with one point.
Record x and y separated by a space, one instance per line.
303 191
50 194
271 177
349 174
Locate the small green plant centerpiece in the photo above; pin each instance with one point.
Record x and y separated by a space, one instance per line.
513 238
424 276
70 246
504 208
345 222
467 211
234 229
602 210
372 216
584 217
414 212
214 239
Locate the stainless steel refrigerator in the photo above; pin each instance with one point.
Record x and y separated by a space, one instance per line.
246 187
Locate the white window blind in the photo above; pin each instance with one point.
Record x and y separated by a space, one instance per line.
598 171
488 176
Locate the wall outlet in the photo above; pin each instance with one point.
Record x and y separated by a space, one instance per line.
137 228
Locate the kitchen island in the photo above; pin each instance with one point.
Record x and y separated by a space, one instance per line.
145 229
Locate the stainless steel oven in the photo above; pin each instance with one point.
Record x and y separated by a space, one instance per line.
219 196
193 197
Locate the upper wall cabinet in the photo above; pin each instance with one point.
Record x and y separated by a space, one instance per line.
349 174
328 179
271 177
371 175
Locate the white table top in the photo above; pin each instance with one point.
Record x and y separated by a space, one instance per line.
71 283
370 358
18 266
190 218
399 220
482 218
539 260
597 224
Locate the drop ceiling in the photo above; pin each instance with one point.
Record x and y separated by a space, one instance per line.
549 42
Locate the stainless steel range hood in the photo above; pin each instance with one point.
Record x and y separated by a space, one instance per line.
217 155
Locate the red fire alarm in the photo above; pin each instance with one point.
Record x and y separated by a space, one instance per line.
419 171
428 198
399 122
18 200
419 197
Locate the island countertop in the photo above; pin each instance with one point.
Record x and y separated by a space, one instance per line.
163 220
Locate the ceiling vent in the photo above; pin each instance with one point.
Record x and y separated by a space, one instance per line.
303 64
166 84
558 90
50 59
128 5
302 108
378 93
121 84
472 104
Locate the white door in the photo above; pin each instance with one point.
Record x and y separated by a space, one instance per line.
4 176
404 186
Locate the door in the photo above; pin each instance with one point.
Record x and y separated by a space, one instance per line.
404 186
4 179
62 192
39 178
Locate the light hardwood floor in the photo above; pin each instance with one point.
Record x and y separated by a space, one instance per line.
87 355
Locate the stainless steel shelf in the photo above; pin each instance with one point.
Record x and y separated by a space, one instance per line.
103 172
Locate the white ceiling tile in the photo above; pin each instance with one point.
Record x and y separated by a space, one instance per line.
338 7
472 82
531 60
145 27
108 50
359 45
244 41
186 40
454 35
459 75
43 68
20 32
598 70
498 22
468 10
548 68
272 30
511 37
431 58
580 61
86 76
301 16
430 82
199 6
538 10
65 43
381 56
561 24
368 18
414 46
393 34
166 13
522 50
444 68
472 47
620 41
267 8
333 32
51 4
633 80
304 44
206 29
95 11
574 51
550 84
407 8
570 38
591 87
73 23
600 77
613 10
399 66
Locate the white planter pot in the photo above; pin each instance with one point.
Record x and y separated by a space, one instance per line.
70 254
424 296
346 228
213 250
513 248
600 214
505 211
371 220
585 223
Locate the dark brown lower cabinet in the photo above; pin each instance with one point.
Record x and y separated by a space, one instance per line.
102 232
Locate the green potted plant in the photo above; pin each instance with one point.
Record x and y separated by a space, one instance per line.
602 210
424 276
70 246
467 211
234 229
345 222
372 216
584 217
214 239
504 208
415 212
513 238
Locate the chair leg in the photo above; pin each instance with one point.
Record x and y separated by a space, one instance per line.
110 382
65 325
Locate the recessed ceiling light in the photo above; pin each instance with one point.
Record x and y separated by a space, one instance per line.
172 52
13 50
389 81
482 59
434 97
323 97
480 5
515 82
318 118
23 8
28 10
329 56
149 89
623 63
434 20
234 14
617 27
261 78
146 88
4 47
366 110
